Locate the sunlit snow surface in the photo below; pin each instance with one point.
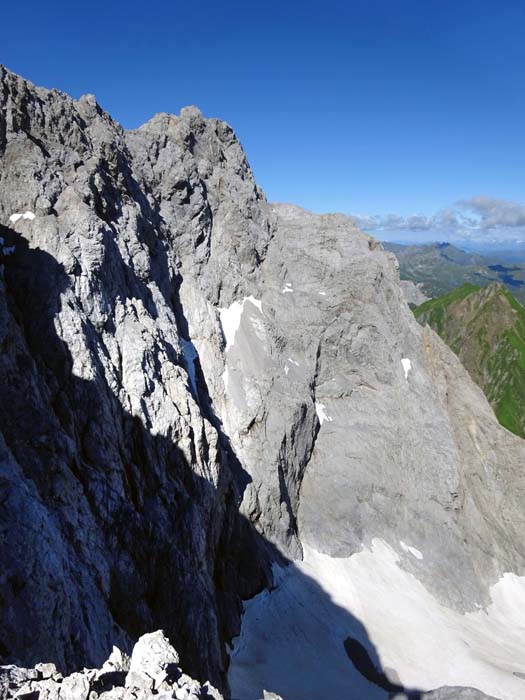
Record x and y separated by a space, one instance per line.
321 413
411 550
231 318
407 366
225 378
26 215
291 639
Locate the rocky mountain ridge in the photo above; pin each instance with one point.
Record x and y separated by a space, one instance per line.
208 399
119 487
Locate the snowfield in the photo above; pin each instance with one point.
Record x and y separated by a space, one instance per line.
292 639
231 318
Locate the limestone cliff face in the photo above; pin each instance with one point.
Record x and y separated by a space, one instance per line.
196 384
119 485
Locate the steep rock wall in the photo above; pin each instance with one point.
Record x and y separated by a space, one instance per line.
197 384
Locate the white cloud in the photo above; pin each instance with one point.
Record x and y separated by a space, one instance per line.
477 218
494 213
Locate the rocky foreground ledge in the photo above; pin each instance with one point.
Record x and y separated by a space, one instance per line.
152 671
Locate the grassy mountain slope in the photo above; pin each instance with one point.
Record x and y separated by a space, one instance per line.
441 267
485 326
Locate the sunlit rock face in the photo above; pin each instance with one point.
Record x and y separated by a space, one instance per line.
404 546
198 388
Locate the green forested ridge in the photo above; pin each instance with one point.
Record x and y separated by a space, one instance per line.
485 326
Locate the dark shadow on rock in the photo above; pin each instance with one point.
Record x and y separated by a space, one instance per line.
107 532
140 533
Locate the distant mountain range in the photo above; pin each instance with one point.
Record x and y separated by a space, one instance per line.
485 326
441 267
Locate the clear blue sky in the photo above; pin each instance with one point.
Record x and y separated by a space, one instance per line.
365 106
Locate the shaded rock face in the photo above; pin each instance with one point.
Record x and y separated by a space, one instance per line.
119 487
197 384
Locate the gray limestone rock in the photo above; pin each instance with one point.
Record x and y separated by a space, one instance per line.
117 661
151 652
75 687
450 693
119 486
150 661
446 693
413 293
46 670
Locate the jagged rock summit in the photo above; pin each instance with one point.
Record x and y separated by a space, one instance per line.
120 488
208 399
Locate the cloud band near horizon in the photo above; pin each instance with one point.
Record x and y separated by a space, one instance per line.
482 218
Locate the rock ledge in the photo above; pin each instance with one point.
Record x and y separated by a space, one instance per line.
151 672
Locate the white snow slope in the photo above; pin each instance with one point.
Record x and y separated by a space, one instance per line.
292 638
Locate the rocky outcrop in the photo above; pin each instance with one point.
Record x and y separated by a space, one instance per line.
198 386
413 293
153 671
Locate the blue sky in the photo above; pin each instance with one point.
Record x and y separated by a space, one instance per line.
377 108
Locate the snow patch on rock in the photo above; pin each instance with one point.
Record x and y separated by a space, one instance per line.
407 366
321 413
26 215
410 550
230 318
225 378
254 301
